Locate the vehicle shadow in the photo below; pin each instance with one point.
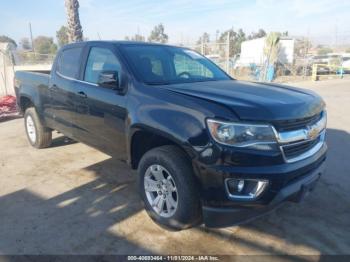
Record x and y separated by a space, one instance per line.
72 222
10 117
62 141
103 216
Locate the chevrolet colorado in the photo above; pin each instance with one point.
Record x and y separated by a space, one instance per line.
208 149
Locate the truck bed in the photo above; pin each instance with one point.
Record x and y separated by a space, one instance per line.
33 77
30 84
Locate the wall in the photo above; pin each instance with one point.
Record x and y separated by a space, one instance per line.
252 52
6 70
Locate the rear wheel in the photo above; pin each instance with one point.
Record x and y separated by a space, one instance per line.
38 135
168 188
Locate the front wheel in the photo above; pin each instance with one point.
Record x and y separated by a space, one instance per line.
38 135
168 188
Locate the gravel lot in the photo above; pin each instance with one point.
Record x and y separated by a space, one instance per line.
72 199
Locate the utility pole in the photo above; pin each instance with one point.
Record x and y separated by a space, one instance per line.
31 37
228 53
336 33
307 47
202 46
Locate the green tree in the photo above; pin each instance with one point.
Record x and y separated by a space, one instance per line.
62 36
45 45
75 32
136 37
324 50
236 39
158 35
25 43
241 37
205 38
271 52
202 44
261 33
6 39
272 47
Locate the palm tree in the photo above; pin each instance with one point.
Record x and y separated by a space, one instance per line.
75 32
271 52
272 47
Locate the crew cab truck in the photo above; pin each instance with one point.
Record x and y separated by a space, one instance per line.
208 149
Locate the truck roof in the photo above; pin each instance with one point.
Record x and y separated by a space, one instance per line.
121 42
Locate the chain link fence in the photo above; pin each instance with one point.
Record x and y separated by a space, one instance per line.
218 52
241 68
12 60
248 68
32 58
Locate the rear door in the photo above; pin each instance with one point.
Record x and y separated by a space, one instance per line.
101 112
62 89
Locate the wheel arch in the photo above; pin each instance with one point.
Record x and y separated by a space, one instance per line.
143 139
25 102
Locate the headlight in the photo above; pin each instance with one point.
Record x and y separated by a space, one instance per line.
261 137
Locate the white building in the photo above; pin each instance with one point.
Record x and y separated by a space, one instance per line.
10 63
6 69
252 52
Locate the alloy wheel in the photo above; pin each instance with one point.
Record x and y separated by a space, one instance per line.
161 191
31 131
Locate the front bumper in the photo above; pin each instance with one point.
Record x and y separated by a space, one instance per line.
287 182
296 191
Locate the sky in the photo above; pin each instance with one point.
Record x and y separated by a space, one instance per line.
324 21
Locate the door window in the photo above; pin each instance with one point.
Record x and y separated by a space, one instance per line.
68 63
185 64
100 59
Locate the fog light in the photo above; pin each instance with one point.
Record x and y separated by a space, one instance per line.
248 189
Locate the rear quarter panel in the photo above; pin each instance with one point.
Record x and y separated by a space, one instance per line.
33 86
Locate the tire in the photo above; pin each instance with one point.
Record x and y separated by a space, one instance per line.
38 135
185 209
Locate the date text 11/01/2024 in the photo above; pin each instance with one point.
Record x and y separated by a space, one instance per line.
174 258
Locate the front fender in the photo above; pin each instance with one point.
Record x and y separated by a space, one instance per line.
176 117
187 134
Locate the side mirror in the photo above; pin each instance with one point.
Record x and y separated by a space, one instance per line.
109 79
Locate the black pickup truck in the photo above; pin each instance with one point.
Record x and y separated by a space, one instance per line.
208 149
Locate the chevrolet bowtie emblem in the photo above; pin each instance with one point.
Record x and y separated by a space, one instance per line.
312 132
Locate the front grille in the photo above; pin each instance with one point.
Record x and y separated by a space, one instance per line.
296 149
288 125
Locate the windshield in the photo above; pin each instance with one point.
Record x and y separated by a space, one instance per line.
161 65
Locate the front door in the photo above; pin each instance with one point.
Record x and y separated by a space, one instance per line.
101 112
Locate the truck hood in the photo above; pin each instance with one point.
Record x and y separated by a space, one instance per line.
255 101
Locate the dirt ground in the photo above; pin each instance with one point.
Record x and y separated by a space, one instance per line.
72 199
